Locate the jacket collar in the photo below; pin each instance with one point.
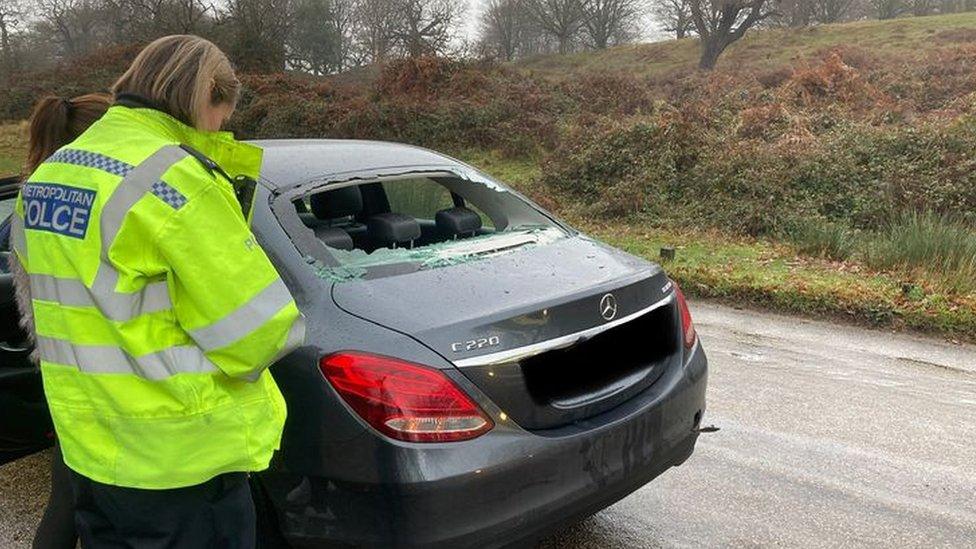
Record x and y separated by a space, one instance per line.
233 156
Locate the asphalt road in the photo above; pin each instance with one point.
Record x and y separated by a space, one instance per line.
831 436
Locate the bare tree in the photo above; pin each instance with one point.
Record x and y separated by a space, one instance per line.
561 19
375 22
260 30
11 15
502 28
888 9
321 36
189 16
313 43
721 22
534 40
122 19
950 6
921 8
140 20
342 18
77 26
832 11
610 22
55 14
955 6
425 26
673 16
794 13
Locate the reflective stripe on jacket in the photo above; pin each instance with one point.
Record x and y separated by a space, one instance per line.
156 312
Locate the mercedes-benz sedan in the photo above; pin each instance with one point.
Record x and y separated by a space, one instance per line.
475 374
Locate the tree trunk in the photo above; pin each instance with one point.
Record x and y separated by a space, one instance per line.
682 25
5 45
509 51
801 14
712 48
563 44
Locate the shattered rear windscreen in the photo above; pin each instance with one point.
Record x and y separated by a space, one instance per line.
452 252
427 221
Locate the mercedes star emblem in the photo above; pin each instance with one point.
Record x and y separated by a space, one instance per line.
608 307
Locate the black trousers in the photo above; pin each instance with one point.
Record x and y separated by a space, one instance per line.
218 513
57 527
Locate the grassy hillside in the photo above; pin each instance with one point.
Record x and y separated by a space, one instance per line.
906 38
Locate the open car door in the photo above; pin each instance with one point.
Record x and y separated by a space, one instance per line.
25 424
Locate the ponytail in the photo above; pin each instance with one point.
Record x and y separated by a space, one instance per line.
56 122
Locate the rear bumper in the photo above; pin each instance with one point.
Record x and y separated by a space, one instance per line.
506 487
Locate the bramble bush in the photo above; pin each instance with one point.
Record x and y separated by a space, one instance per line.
92 73
427 101
857 174
826 143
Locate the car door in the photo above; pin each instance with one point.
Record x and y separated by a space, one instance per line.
25 424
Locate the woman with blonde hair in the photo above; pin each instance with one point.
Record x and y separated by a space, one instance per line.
156 313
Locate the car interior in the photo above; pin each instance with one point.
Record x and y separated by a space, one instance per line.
403 213
11 336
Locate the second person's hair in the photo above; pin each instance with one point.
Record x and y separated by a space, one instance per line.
57 121
181 74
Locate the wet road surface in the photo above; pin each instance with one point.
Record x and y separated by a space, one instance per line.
831 436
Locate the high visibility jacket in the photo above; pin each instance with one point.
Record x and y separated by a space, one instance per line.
156 311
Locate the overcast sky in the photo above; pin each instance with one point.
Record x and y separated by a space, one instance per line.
650 31
474 11
471 18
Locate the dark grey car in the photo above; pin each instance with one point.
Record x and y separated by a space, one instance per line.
475 374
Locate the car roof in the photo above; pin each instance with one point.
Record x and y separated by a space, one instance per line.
288 162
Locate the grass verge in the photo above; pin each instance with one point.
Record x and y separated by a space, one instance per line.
12 147
927 243
774 276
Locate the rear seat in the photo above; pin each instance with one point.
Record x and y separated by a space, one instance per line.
457 221
333 217
391 230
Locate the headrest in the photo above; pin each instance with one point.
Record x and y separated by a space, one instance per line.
334 238
392 228
459 220
337 203
309 220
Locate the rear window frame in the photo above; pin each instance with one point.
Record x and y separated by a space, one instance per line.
316 252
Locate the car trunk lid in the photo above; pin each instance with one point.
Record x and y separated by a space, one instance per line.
552 334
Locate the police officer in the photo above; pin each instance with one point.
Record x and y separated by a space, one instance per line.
155 311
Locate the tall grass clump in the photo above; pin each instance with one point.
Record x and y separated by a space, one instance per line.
821 238
940 246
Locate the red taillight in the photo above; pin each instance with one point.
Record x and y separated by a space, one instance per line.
687 326
403 400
